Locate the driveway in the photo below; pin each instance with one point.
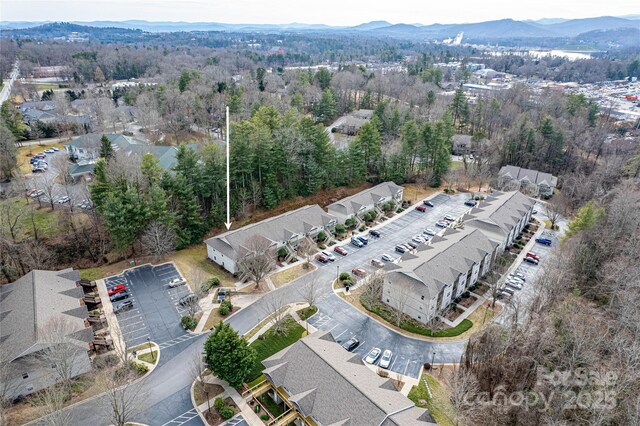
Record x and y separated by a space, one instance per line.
156 311
344 320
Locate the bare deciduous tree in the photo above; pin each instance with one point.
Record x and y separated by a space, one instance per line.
62 352
274 306
257 260
53 400
306 249
399 301
48 185
310 291
123 398
11 213
158 239
373 287
555 209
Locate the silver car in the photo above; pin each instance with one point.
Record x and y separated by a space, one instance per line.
373 355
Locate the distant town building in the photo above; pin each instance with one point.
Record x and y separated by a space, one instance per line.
528 181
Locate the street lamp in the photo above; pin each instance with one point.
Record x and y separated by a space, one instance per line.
153 357
433 355
206 392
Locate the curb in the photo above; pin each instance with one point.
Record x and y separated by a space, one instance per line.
193 402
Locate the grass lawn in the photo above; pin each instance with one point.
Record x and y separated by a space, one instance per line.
200 391
91 274
305 313
46 221
140 347
274 408
150 357
284 277
214 317
438 405
194 258
272 344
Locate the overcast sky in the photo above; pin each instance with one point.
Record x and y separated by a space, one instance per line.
333 12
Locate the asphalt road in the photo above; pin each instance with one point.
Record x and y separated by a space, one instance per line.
6 89
342 319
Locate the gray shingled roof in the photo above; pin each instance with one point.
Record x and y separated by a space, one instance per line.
336 388
533 176
278 228
500 213
350 205
32 302
443 261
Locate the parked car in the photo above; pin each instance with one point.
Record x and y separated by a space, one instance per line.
340 250
372 356
385 361
49 151
375 233
328 255
38 170
449 218
351 344
123 306
186 300
531 260
427 203
119 296
359 272
519 275
401 249
40 155
407 247
322 258
470 203
514 284
429 232
543 241
421 209
442 224
534 211
356 242
364 240
37 193
412 245
507 290
533 255
387 258
116 289
514 278
64 199
418 239
377 263
176 282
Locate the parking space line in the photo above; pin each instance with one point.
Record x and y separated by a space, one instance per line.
338 336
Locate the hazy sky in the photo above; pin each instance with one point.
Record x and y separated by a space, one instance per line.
334 12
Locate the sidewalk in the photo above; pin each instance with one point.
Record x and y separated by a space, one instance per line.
245 410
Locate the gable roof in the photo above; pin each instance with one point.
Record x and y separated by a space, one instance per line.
443 261
329 384
32 302
275 229
500 212
350 205
533 176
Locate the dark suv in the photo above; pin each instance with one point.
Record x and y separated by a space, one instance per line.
119 296
127 304
375 233
351 344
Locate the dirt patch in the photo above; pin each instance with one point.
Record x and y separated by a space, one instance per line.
214 418
413 192
200 392
467 301
281 278
453 314
214 317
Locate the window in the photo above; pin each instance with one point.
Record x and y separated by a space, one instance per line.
421 297
387 300
25 375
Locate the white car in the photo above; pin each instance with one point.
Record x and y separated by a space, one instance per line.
449 218
49 151
387 258
511 277
519 275
429 232
329 255
514 284
418 239
373 355
63 200
442 224
385 361
176 282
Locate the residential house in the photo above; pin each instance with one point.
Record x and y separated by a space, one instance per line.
501 216
285 230
373 198
85 150
424 284
45 112
317 382
38 311
465 145
352 123
528 181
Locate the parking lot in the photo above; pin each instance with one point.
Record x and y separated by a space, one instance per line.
156 311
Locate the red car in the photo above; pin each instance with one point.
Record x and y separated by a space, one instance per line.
340 250
322 258
359 272
533 256
117 289
421 209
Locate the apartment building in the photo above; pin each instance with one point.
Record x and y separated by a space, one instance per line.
364 201
526 180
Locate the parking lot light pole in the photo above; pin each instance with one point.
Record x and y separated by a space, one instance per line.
433 355
153 357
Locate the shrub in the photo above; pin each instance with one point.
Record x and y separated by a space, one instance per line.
282 252
219 404
227 412
350 222
106 361
361 229
321 246
333 130
388 206
265 417
400 210
225 307
188 322
340 229
215 281
322 236
140 368
466 294
344 276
